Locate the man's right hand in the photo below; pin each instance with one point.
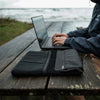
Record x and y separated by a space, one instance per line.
59 35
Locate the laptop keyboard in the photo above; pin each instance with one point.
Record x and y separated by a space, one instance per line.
49 42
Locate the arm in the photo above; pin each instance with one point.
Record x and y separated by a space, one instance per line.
76 33
90 45
79 33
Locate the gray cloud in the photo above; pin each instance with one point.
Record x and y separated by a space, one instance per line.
7 3
43 4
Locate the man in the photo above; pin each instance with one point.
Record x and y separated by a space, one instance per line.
86 40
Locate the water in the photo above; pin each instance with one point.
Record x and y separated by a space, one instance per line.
50 14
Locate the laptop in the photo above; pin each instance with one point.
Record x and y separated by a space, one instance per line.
45 42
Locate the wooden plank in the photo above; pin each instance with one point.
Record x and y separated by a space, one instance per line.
54 28
60 27
83 24
71 26
13 48
10 85
48 24
67 27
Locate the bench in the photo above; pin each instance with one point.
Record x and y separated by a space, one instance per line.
14 50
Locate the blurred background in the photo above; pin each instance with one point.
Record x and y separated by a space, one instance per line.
53 10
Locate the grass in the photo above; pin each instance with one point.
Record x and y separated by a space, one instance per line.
10 28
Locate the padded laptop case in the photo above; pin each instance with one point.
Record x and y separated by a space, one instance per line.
41 63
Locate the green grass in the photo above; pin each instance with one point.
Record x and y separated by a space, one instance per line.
10 28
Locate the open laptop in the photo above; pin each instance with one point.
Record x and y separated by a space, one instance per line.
44 40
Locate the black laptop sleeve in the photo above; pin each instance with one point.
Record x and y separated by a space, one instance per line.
33 63
68 62
41 63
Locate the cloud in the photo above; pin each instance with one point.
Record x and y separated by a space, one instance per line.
7 3
44 3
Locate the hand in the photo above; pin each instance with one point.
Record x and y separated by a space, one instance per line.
59 35
59 40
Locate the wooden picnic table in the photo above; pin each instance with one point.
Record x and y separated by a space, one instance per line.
12 52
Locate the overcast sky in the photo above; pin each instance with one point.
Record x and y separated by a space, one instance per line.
45 4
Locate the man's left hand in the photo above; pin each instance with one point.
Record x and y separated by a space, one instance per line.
59 40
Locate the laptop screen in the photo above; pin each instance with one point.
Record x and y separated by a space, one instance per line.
40 28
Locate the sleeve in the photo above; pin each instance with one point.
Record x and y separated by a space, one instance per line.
79 33
90 45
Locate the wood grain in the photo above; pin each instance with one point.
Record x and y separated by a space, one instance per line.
13 48
67 27
54 28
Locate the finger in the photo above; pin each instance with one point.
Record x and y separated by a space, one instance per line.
53 38
56 39
56 42
55 35
59 35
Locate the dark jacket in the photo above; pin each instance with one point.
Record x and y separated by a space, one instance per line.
87 40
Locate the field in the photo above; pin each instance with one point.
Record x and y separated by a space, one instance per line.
10 28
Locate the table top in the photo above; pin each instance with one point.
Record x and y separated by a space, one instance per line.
13 51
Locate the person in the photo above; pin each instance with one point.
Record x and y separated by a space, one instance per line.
86 40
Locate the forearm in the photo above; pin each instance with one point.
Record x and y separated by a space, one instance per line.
79 33
91 45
